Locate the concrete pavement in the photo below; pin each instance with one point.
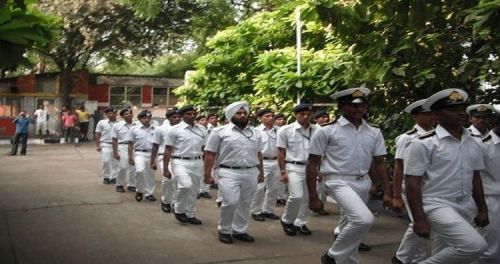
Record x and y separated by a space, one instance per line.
56 210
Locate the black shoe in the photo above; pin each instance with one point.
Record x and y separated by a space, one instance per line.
113 181
194 221
289 229
106 181
167 208
364 247
11 154
395 260
325 259
270 216
303 230
214 186
131 188
119 188
225 238
244 237
219 204
181 217
150 198
258 217
138 196
281 202
323 212
205 195
23 153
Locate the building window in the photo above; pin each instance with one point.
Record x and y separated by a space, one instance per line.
124 96
10 106
164 97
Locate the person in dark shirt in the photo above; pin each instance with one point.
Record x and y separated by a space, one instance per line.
22 122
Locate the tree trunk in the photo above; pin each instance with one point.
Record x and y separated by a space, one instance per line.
66 85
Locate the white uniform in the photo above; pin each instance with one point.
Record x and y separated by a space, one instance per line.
264 200
141 137
412 248
475 132
125 171
491 184
108 163
41 121
187 164
237 160
205 188
295 139
347 156
168 186
447 165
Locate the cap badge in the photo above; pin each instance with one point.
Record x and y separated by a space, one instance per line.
455 96
482 108
357 93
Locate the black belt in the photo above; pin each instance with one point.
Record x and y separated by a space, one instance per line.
123 143
295 162
160 154
142 150
186 158
107 142
235 168
266 158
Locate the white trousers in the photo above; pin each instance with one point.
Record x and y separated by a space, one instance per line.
41 126
412 248
144 174
237 188
125 171
264 200
351 194
297 205
492 232
455 240
168 186
188 174
109 165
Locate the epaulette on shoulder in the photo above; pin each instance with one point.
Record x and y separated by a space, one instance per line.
373 125
412 131
487 138
329 123
427 134
478 136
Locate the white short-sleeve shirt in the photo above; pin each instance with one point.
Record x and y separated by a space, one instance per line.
269 136
403 140
445 163
160 135
295 139
235 147
120 131
141 136
347 150
186 140
491 172
104 128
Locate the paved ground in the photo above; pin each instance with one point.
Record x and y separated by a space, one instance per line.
56 210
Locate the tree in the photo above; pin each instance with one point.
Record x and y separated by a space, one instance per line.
92 30
21 28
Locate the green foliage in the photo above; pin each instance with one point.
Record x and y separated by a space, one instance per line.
21 28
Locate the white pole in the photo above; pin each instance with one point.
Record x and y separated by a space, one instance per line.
298 27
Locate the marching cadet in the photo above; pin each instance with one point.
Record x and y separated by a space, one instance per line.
279 121
320 118
205 188
293 148
264 201
480 118
490 176
184 146
443 183
345 149
104 144
412 248
120 151
168 185
140 144
236 149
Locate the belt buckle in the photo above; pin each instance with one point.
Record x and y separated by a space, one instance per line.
360 177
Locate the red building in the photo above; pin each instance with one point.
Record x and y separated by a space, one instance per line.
95 91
